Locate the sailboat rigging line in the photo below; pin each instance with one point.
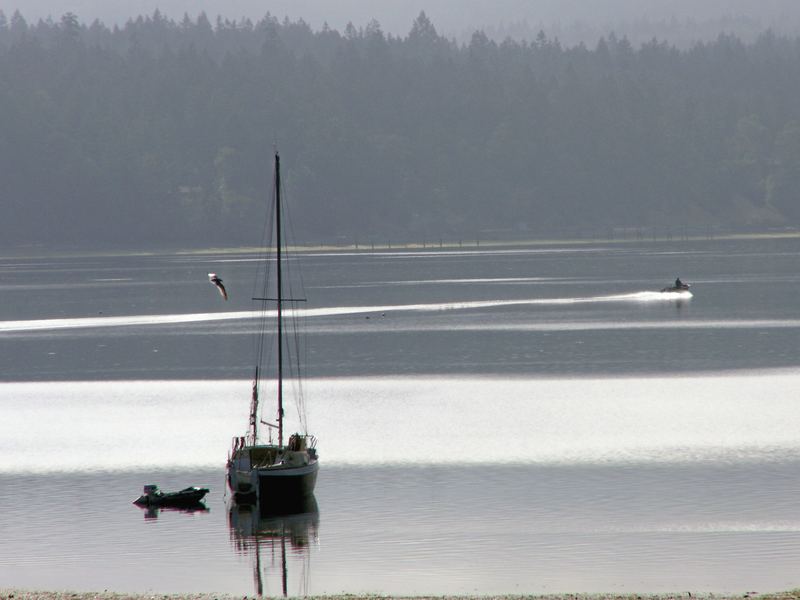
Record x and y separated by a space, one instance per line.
299 376
289 321
297 321
279 267
259 341
281 245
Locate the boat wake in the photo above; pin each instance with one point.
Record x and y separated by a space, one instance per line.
478 304
34 325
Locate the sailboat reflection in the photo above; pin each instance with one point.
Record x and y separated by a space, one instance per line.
265 537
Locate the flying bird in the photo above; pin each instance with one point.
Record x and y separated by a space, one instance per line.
212 277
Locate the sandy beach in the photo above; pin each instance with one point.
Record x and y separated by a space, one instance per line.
68 595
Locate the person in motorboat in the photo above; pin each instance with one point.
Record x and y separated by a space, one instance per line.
678 287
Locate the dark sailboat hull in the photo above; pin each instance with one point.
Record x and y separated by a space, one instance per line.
282 489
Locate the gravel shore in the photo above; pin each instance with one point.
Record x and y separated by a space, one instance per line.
41 595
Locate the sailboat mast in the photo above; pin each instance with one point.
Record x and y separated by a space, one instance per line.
254 407
280 296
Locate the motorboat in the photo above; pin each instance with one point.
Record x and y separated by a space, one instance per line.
187 497
679 286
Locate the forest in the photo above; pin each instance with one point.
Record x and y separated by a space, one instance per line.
161 132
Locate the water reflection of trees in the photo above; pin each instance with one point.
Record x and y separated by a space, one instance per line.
274 542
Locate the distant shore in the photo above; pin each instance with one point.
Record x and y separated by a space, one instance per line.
66 595
628 236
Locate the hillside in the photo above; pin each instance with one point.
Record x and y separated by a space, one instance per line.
160 131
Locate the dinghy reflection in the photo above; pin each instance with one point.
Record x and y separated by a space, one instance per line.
276 544
152 512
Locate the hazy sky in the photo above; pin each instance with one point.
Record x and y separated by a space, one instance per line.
451 17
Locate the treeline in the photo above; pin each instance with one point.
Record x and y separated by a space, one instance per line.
162 132
682 33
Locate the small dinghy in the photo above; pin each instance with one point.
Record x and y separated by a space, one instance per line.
152 496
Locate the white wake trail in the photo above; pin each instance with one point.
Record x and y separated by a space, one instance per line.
32 325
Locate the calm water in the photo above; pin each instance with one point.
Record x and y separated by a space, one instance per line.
490 421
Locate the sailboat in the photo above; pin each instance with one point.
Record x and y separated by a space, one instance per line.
277 475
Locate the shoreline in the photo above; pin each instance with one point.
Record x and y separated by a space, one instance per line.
18 594
628 236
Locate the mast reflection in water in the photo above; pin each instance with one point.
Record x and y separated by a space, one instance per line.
276 541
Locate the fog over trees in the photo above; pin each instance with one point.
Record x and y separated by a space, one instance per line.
682 22
161 130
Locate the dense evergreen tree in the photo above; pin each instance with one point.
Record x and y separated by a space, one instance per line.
161 132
